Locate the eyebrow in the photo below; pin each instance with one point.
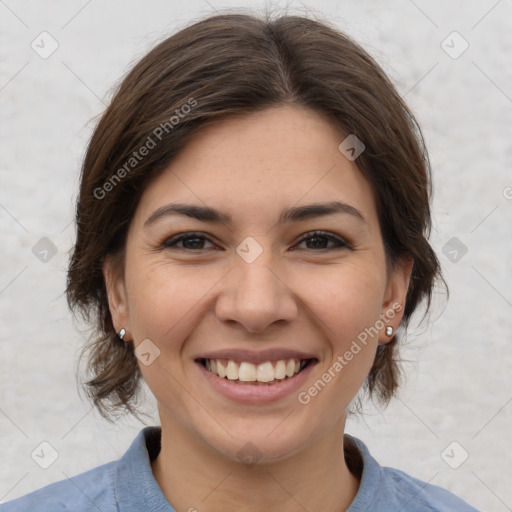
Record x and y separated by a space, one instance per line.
294 214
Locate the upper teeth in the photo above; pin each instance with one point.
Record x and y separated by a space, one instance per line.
247 372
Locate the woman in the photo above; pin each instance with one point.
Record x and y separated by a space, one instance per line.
252 233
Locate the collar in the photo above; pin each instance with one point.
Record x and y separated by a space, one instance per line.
371 478
136 488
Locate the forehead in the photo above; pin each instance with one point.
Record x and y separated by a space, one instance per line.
254 165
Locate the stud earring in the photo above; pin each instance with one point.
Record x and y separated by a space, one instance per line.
121 334
389 330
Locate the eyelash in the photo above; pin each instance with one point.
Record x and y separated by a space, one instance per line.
171 242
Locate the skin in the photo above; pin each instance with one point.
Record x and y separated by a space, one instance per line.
310 295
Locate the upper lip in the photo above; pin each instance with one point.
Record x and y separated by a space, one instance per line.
256 357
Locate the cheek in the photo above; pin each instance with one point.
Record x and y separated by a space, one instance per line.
347 298
165 307
165 299
347 304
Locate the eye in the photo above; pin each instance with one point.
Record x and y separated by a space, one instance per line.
190 241
314 240
321 238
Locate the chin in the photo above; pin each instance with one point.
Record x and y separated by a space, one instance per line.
260 442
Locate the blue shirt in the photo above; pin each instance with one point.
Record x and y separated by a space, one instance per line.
128 485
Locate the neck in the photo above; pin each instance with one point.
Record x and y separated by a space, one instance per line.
192 477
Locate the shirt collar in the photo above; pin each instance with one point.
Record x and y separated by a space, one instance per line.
371 478
136 488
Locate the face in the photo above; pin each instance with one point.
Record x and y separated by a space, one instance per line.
247 271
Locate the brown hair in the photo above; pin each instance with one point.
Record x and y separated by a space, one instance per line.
231 65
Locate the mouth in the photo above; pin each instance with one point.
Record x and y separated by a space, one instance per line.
265 373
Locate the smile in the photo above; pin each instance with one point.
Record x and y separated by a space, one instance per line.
254 377
245 372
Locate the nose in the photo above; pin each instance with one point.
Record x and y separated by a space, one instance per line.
255 297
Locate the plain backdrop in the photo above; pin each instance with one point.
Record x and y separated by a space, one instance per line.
452 423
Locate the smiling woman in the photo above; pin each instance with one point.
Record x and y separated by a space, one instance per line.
256 262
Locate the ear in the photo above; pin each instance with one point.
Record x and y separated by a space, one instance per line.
394 298
117 295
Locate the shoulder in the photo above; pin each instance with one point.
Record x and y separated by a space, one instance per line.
92 490
117 485
418 496
388 490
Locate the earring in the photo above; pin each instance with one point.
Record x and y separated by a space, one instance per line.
389 330
121 334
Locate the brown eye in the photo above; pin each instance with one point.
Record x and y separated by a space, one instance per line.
320 240
189 241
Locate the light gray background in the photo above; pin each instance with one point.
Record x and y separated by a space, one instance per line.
459 374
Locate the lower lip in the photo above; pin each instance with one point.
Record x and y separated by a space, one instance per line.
247 393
